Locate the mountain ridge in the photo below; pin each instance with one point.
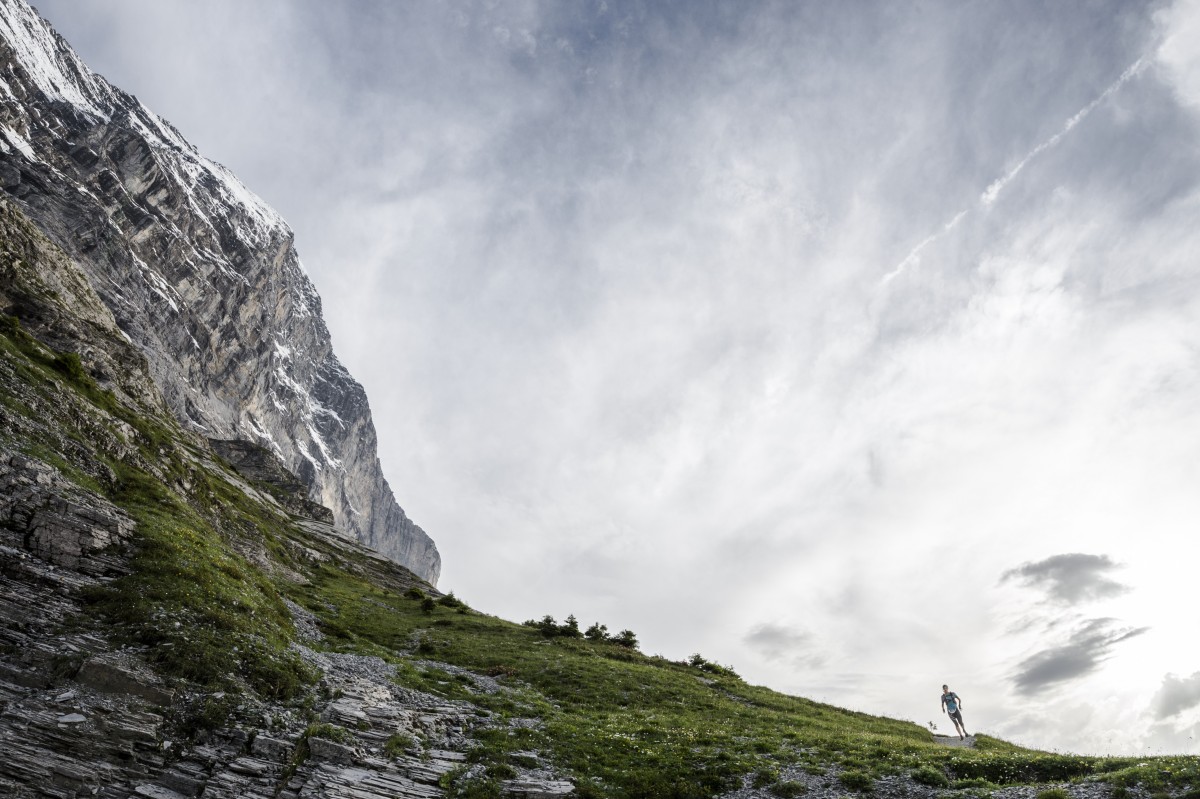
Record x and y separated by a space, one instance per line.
199 272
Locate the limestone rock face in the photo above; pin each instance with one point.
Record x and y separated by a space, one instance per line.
200 275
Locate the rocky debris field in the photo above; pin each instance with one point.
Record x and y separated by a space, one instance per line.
826 786
81 717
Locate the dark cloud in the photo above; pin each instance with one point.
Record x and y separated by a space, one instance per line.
1089 645
1176 695
1070 578
783 643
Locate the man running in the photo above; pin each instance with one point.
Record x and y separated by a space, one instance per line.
950 705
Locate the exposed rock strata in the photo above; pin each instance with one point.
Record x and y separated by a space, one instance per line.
80 718
261 467
57 522
198 272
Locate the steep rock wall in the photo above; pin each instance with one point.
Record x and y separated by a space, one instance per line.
198 272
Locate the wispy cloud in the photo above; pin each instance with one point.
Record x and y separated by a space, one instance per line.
1070 578
782 642
993 190
915 255
1088 647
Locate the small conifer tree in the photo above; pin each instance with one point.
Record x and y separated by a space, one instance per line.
570 628
548 626
626 638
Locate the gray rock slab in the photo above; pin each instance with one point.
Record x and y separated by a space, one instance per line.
321 749
538 789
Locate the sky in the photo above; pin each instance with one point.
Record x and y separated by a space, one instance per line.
855 345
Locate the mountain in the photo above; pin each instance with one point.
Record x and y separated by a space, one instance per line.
198 273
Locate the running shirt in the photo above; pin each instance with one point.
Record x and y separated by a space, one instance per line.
951 699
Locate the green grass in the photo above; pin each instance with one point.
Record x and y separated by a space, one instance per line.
204 612
329 732
645 726
397 744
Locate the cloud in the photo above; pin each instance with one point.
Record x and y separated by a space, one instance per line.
988 198
780 642
1165 738
1179 26
1176 695
1070 578
1089 646
997 186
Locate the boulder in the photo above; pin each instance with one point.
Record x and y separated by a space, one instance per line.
271 749
326 751
118 673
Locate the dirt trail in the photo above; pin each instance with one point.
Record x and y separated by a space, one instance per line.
953 740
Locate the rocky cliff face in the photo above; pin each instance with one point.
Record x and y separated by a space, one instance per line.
199 273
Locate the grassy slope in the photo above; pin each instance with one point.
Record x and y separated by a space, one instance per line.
632 725
623 724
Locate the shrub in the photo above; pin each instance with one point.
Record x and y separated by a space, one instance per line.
625 638
788 789
975 782
428 605
547 626
928 775
451 601
856 780
69 364
396 745
764 777
699 662
330 732
570 628
415 593
550 628
597 632
500 771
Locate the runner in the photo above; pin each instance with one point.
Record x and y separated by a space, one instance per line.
951 705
